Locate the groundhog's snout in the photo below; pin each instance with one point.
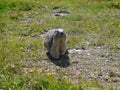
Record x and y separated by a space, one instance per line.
61 33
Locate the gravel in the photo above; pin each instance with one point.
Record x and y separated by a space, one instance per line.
94 63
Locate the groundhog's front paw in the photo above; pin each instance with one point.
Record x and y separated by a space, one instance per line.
55 58
52 57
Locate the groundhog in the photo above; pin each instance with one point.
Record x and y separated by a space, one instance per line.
55 42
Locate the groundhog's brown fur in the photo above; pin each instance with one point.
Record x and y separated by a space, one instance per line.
55 42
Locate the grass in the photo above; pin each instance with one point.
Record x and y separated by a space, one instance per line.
22 23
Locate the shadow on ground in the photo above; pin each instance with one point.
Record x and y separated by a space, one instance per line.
64 60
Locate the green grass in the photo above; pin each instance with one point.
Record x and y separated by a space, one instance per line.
22 23
35 81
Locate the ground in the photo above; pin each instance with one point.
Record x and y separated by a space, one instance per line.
97 63
92 60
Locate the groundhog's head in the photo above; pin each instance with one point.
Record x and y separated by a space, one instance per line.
59 33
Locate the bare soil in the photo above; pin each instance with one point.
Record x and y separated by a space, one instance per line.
93 63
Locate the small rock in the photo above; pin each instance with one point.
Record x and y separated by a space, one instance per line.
60 13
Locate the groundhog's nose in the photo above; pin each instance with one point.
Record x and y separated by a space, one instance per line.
61 33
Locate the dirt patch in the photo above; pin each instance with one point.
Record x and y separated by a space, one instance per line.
93 63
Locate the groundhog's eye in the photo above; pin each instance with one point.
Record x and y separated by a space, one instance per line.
56 31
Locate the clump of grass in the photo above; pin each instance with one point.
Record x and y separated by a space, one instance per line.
76 41
115 4
34 81
15 5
